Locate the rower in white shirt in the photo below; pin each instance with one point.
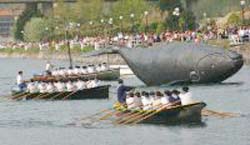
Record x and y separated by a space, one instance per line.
166 97
84 70
70 86
99 68
186 96
104 67
146 102
80 85
157 100
130 101
50 88
137 101
92 83
42 87
60 87
76 70
62 72
31 87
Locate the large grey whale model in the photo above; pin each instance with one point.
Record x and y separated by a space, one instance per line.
181 63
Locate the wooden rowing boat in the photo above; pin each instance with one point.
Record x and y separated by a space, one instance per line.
107 75
101 92
176 114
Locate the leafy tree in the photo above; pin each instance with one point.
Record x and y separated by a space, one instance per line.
35 30
30 11
234 19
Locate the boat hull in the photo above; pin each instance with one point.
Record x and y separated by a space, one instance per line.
108 75
101 92
178 115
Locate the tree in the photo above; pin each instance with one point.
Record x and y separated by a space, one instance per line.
35 30
30 11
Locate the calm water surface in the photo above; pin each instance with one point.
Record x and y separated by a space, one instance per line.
46 122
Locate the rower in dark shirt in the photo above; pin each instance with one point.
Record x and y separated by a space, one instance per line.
121 92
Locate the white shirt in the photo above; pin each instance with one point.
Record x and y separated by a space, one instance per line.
48 67
50 88
130 102
146 102
186 98
70 87
60 87
92 84
32 88
164 100
137 102
80 85
42 87
19 79
156 103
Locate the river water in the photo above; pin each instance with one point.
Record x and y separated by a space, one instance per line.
47 122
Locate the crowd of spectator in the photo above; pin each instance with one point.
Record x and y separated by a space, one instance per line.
236 36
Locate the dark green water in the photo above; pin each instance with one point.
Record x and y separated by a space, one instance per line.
45 123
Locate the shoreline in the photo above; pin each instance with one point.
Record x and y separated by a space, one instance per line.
112 59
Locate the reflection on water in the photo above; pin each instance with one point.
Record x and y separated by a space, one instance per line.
55 122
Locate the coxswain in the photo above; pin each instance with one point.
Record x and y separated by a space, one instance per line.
20 81
186 96
121 92
48 66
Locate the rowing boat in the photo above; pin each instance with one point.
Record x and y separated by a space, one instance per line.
107 75
176 114
101 92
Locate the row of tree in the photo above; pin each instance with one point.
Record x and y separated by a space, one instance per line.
97 17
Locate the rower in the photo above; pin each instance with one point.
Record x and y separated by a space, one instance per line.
70 71
167 98
92 83
157 100
31 87
70 86
50 88
186 96
80 84
137 101
77 70
42 87
90 69
62 71
104 66
60 86
121 92
130 100
20 81
146 102
175 95
99 68
84 70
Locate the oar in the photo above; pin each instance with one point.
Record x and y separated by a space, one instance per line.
41 96
112 112
54 97
98 113
66 97
18 95
219 114
148 114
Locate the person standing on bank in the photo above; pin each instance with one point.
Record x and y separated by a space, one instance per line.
121 92
20 81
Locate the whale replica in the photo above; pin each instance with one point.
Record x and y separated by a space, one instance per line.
177 62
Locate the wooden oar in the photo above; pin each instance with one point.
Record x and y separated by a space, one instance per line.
41 96
18 95
207 112
148 114
66 97
54 97
96 114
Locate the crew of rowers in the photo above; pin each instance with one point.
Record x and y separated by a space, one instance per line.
60 86
153 100
78 70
